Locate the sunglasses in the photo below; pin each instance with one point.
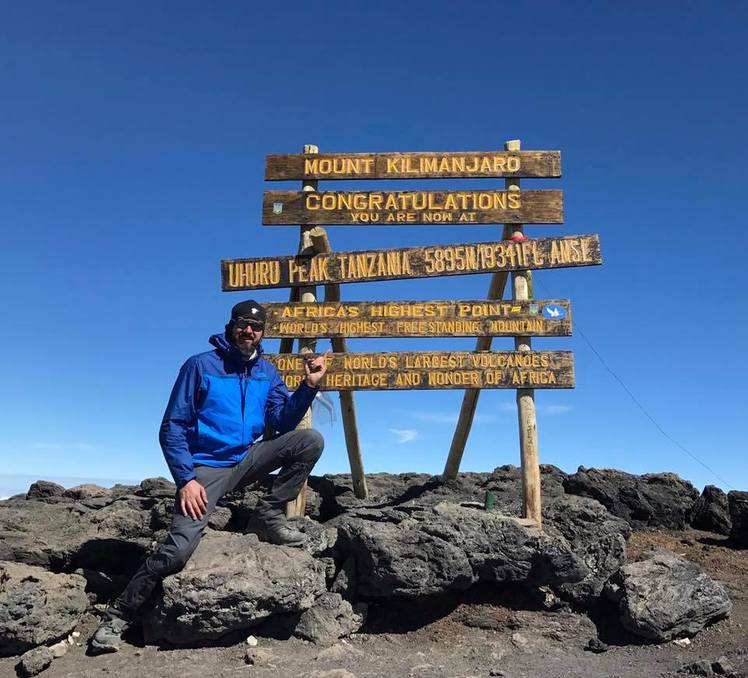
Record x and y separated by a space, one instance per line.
244 323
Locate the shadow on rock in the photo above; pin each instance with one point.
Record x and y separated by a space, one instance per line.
114 556
606 617
404 616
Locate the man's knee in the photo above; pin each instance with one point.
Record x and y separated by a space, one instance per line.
170 558
312 444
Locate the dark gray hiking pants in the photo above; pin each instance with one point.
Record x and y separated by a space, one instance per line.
294 453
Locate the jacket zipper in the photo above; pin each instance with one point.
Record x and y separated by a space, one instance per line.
243 383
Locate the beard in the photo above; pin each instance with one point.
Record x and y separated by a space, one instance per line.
246 345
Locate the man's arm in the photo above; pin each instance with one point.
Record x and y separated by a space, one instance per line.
284 411
179 419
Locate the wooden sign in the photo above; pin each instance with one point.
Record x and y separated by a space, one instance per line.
419 319
412 207
413 165
410 262
435 370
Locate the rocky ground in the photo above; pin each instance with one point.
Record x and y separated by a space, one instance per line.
417 581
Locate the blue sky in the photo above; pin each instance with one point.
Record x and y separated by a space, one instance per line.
132 143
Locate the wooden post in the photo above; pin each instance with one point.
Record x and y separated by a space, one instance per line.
528 428
470 398
297 508
322 245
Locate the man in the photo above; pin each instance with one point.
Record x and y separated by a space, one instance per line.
219 407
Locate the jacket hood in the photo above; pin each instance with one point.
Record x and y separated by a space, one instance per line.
227 349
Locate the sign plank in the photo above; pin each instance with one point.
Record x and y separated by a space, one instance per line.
459 208
478 318
435 370
430 165
409 262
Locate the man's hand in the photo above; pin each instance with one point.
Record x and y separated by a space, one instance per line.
315 368
193 500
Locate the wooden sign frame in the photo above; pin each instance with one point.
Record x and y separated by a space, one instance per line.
523 369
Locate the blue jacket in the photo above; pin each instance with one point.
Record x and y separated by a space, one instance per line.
219 405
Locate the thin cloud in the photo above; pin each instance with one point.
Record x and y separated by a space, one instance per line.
404 435
82 447
540 408
556 409
449 417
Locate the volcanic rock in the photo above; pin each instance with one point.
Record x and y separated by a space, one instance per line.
447 547
711 511
87 491
596 537
233 582
35 661
651 500
242 502
409 489
220 518
258 656
738 503
664 596
344 581
157 487
329 619
704 667
119 490
42 489
37 607
67 535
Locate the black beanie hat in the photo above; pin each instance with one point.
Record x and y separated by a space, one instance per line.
248 309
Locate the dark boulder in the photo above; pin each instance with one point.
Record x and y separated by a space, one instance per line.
329 619
233 582
157 487
35 661
738 503
651 500
664 596
447 547
42 489
68 535
596 537
711 512
119 490
37 607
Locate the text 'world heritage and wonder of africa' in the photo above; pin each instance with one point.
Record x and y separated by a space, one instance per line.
435 370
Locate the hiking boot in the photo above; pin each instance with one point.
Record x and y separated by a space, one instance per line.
274 529
108 637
